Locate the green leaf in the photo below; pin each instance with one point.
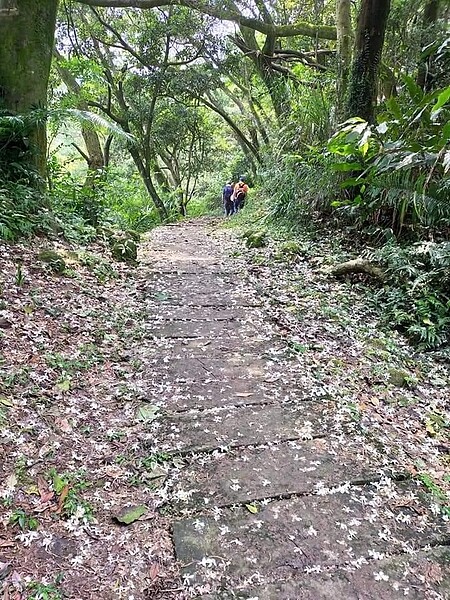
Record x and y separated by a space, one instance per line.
414 90
351 182
394 108
130 514
252 508
6 402
443 98
430 429
446 133
64 385
147 413
58 483
350 166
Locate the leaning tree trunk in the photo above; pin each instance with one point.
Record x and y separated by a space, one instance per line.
372 21
344 52
144 172
94 156
26 43
274 81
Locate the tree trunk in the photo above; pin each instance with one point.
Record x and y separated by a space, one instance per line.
243 140
344 53
25 58
274 81
430 15
358 265
94 156
148 182
369 41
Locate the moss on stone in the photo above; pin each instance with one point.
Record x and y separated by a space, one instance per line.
124 249
255 238
54 260
399 377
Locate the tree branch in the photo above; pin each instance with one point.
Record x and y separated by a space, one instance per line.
300 28
83 154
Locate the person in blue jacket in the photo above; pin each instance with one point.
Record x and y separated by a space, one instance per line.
228 202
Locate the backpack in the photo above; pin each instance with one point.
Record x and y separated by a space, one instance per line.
228 192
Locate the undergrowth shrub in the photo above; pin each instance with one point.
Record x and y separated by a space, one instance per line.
22 213
416 298
398 171
23 209
298 186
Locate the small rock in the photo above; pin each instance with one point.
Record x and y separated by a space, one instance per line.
124 249
56 262
147 413
399 377
5 324
130 514
255 239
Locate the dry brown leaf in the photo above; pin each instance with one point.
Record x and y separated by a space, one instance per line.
62 497
64 425
45 492
433 573
154 571
113 471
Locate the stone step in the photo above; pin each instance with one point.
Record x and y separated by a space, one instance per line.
219 348
205 313
180 394
420 576
288 538
290 468
203 431
205 329
201 368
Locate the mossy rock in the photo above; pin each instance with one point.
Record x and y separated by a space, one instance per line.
399 377
255 238
54 260
124 249
134 235
106 232
291 248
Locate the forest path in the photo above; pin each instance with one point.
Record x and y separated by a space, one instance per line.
247 406
274 494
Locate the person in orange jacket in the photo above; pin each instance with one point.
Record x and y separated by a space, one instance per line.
240 193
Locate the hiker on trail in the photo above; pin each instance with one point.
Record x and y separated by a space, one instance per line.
227 197
240 193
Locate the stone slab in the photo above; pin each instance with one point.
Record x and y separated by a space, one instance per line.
196 431
180 395
200 368
315 533
215 347
204 313
202 298
203 329
421 576
189 279
300 467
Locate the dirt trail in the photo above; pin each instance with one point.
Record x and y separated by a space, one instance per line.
255 478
